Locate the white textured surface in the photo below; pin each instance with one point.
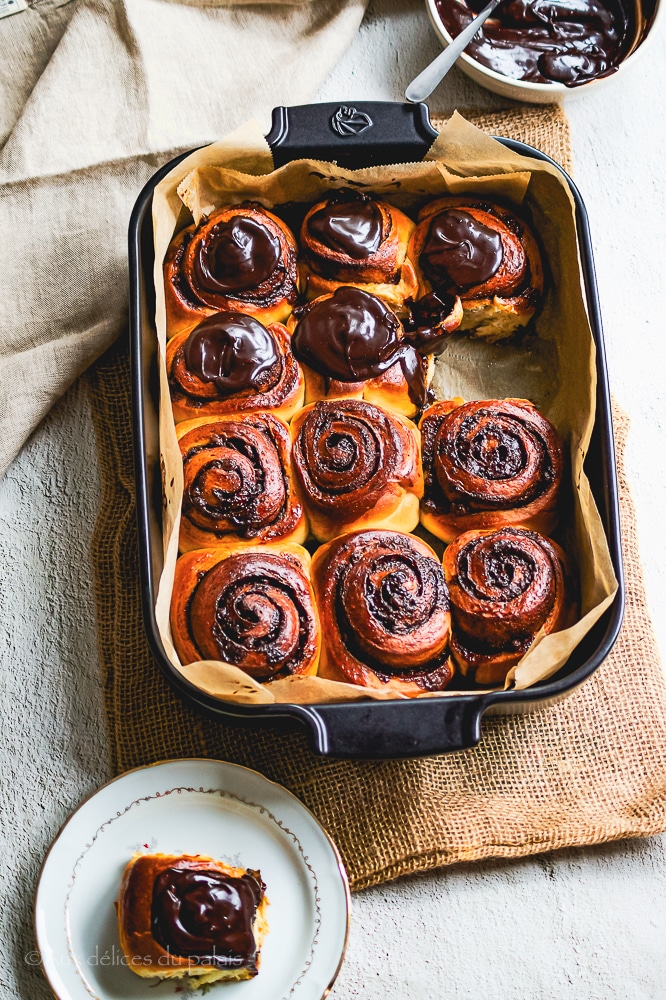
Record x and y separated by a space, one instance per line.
53 730
579 925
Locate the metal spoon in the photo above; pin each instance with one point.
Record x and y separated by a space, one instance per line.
639 28
424 84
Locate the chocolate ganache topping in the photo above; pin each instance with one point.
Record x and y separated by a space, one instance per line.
459 251
547 41
353 336
236 255
232 350
206 914
352 227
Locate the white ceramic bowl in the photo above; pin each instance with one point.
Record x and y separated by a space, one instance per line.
537 93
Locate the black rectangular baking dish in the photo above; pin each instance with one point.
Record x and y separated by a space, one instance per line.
355 136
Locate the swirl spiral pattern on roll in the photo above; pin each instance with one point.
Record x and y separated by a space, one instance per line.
237 482
358 466
486 255
232 363
504 586
384 609
252 608
489 462
241 258
354 239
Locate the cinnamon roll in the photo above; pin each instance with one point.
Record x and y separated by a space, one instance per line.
357 466
241 258
486 255
253 608
354 239
190 915
489 463
237 482
351 344
384 610
504 586
232 363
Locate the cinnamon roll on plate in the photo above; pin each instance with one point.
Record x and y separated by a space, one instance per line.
384 610
485 254
354 239
504 586
237 482
190 915
488 463
252 607
357 466
242 259
232 363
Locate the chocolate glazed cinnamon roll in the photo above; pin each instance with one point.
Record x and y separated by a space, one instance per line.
489 463
252 608
191 915
358 466
351 344
384 610
237 482
486 255
241 258
232 363
353 239
504 586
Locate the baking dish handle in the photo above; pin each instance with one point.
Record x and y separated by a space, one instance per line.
354 134
390 729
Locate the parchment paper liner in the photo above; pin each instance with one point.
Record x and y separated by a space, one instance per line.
555 369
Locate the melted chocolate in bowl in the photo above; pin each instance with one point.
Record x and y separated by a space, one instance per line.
546 41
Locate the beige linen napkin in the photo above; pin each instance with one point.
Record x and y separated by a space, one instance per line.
94 96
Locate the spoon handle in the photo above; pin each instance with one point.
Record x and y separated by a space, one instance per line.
424 84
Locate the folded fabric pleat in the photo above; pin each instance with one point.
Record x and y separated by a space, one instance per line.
96 95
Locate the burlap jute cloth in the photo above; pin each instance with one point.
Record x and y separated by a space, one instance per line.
590 769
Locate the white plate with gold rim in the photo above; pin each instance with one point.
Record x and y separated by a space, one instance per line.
192 806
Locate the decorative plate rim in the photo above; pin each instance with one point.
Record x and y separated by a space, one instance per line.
344 880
